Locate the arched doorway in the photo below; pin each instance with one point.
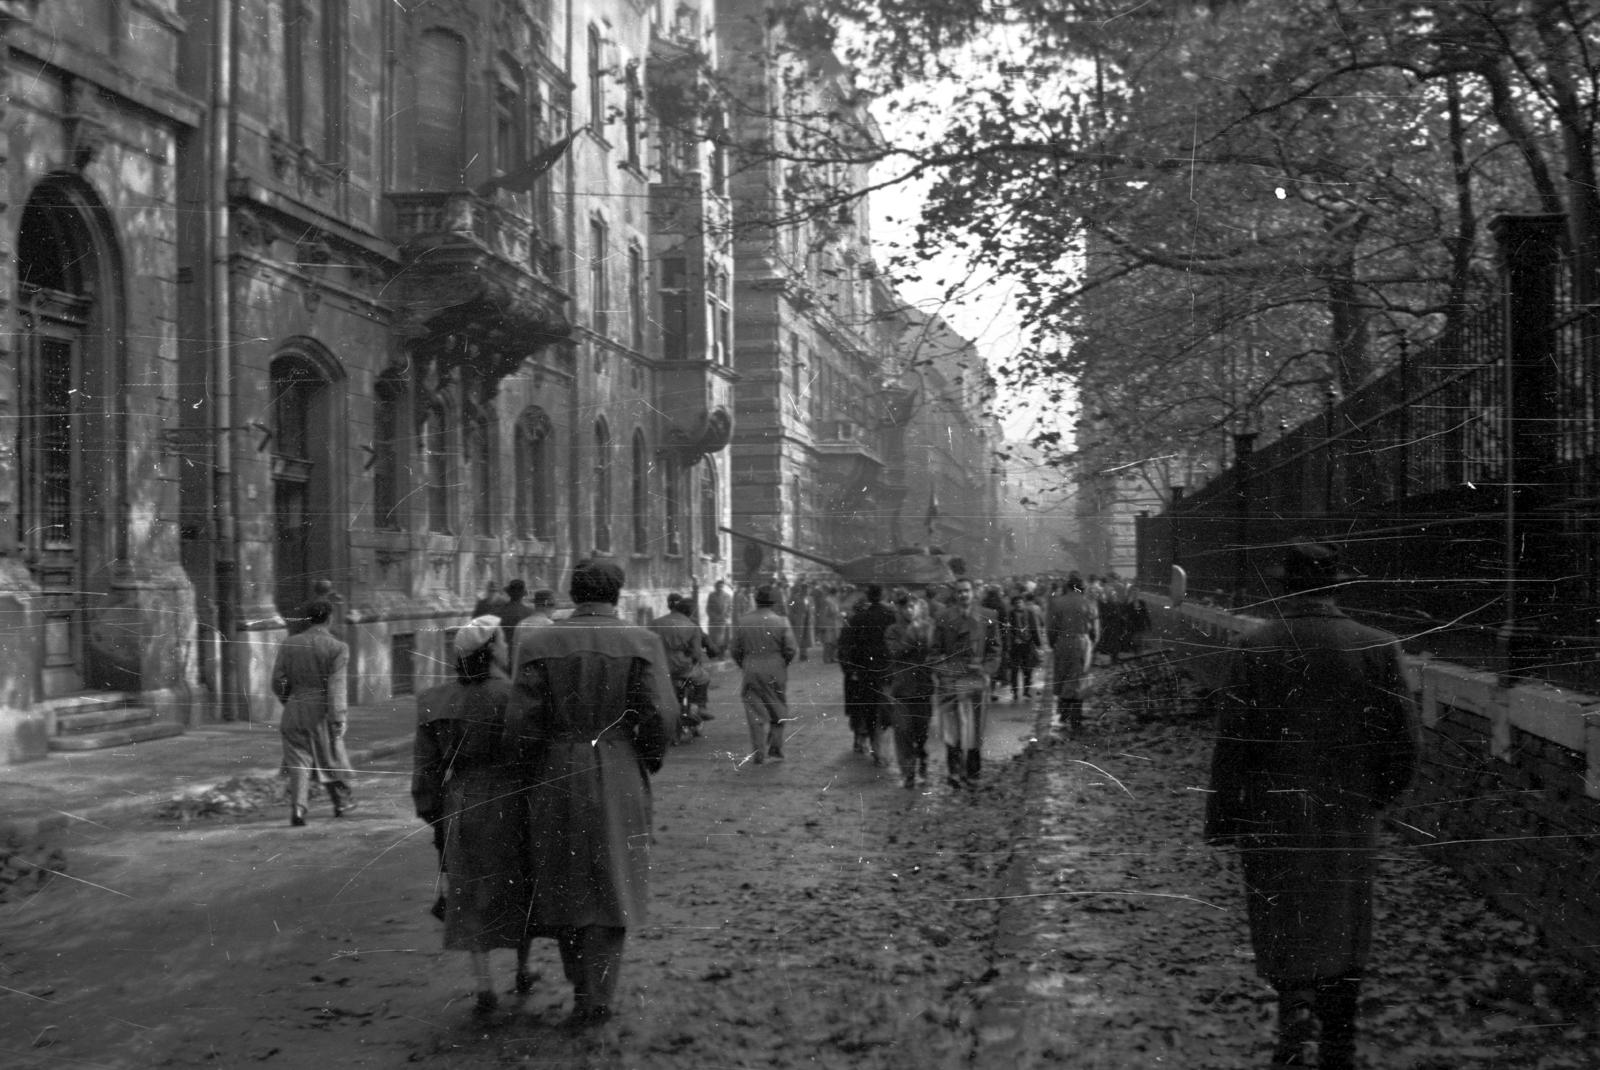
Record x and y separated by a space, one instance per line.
67 437
303 509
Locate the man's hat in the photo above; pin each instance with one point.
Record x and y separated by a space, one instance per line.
1307 564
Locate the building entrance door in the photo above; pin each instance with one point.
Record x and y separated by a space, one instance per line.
51 470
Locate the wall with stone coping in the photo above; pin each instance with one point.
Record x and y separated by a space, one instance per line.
1507 791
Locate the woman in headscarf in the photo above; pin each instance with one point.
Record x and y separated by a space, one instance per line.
464 788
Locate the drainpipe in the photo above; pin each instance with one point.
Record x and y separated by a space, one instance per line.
226 550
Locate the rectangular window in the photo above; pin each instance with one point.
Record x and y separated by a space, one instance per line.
311 51
631 110
387 420
599 295
597 84
436 445
403 664
440 116
636 296
719 153
481 441
507 130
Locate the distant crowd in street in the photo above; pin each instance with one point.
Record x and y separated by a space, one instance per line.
532 767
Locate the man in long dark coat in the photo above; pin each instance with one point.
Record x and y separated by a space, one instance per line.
864 657
1073 628
589 720
1314 737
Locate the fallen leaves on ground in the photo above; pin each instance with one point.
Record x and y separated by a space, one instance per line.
1135 942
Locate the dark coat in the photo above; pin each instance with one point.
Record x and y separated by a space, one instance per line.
863 644
685 645
910 653
1315 735
462 782
589 720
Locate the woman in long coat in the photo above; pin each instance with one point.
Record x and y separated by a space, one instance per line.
1314 737
309 679
465 788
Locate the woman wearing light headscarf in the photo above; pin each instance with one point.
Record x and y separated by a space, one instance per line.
463 787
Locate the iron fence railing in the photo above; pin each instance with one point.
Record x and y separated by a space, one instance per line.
1410 472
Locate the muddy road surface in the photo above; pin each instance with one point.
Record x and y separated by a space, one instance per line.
808 913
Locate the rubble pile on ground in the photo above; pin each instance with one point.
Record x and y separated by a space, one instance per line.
240 795
27 865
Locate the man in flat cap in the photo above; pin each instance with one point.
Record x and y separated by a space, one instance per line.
1314 737
589 720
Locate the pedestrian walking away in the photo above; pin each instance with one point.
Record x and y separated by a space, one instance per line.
1315 735
309 678
965 654
828 619
800 617
910 643
864 657
463 785
719 619
1025 636
763 647
685 647
588 723
1073 628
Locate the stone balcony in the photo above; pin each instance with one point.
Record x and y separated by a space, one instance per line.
478 280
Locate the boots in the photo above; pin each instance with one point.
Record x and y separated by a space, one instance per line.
297 816
342 797
1296 1028
974 763
1336 1010
952 765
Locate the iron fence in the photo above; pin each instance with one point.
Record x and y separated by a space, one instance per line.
1463 498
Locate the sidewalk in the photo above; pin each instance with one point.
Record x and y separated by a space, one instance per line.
98 786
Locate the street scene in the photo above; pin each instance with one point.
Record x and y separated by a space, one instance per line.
805 914
714 534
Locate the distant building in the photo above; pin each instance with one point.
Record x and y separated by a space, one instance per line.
1038 518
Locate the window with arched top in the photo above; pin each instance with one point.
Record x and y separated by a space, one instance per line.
535 482
478 442
710 510
641 494
671 478
440 119
388 453
437 462
602 486
302 484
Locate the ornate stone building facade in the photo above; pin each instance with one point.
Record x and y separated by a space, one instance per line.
391 300
809 453
93 598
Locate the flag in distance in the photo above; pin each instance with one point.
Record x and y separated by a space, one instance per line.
522 179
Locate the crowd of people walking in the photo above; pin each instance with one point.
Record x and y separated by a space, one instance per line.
533 765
